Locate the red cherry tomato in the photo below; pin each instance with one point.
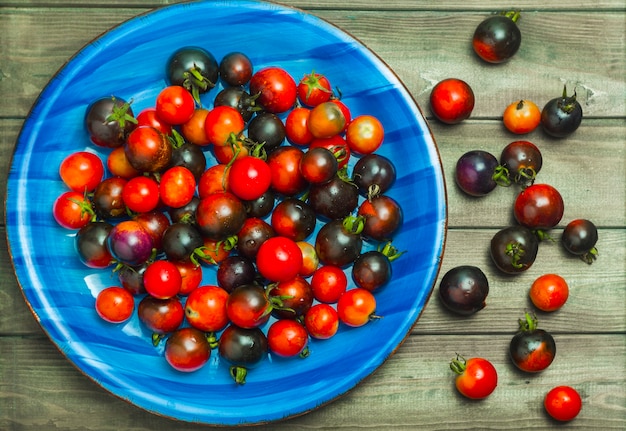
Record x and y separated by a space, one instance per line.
326 120
329 282
72 210
147 149
149 117
539 206
162 279
452 101
314 89
521 117
141 194
365 134
287 338
563 403
249 177
549 292
321 321
222 123
177 187
82 171
476 378
205 308
356 307
115 304
279 259
187 349
276 89
193 130
296 126
175 105
310 260
191 274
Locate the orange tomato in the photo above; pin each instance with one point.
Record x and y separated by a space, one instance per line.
549 292
521 117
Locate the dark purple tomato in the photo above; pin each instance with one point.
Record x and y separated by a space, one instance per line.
464 289
523 161
373 170
193 68
235 271
181 241
339 242
262 206
514 249
187 349
532 349
186 213
91 244
475 171
497 38
292 298
155 223
107 198
252 235
579 238
383 217
561 116
334 199
129 243
161 316
220 215
371 270
131 278
109 120
318 165
191 157
267 129
243 349
294 219
238 98
236 69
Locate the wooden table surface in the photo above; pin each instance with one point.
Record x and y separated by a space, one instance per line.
578 43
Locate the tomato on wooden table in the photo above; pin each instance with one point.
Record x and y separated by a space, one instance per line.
476 378
452 101
521 117
563 403
549 292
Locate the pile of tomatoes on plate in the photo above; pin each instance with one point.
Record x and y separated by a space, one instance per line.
537 208
278 216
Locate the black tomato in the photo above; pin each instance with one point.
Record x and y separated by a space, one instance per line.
161 316
129 243
131 278
190 156
109 120
248 306
372 270
187 349
193 68
238 98
514 249
522 160
91 244
532 349
474 173
561 116
181 242
267 129
318 165
220 215
579 238
293 298
243 349
383 217
334 199
236 69
253 233
261 206
235 271
339 242
497 38
373 170
294 219
185 213
464 289
107 198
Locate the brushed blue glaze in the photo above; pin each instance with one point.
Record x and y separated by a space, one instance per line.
128 62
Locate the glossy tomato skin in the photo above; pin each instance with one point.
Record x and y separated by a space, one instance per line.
91 244
296 126
141 194
162 279
523 160
321 321
155 223
284 163
279 259
336 245
220 215
109 121
243 348
294 219
334 199
549 292
82 171
326 120
147 149
532 349
313 89
234 271
223 122
115 304
277 90
177 187
521 117
175 105
189 156
383 217
161 316
310 260
371 270
253 234
539 206
148 117
365 134
130 243
107 198
287 338
452 101
72 210
497 38
180 241
193 68
373 170
118 164
464 289
476 378
295 297
187 349
328 283
579 238
356 307
561 116
267 129
249 177
318 165
205 308
236 69
563 403
513 249
248 306
474 173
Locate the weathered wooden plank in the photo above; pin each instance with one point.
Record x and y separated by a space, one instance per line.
412 390
596 303
422 47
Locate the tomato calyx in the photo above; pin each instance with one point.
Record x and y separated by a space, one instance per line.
567 104
238 373
85 207
206 254
120 114
513 15
312 82
389 251
196 83
458 365
528 323
515 251
354 224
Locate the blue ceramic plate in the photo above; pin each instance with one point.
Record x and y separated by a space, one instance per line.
128 61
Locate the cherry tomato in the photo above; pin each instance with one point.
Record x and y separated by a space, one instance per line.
329 282
147 149
141 194
220 215
222 123
318 165
252 235
497 38
108 121
193 68
72 210
107 198
248 306
91 244
476 378
276 89
243 348
452 101
205 308
514 249
267 129
532 349
292 298
563 403
294 219
579 238
383 217
175 105
119 166
336 145
115 304
313 89
523 160
235 271
287 338
475 172
284 163
82 171
279 259
326 120
372 270
310 261
321 321
187 349
296 126
191 275
226 153
130 243
249 177
149 117
155 223
539 206
345 110
365 134
549 292
463 289
177 187
521 117
235 69
561 116
194 130
162 279
356 307
161 316
338 242
213 180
